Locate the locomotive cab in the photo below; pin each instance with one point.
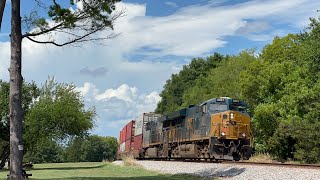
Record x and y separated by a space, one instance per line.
230 128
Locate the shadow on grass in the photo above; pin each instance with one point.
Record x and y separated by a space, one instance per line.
67 168
207 174
160 177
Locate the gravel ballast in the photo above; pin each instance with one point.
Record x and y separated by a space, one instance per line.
230 171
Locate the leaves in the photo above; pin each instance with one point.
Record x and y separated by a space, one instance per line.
92 148
281 87
58 114
76 25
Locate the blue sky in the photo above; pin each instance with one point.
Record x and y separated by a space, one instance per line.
124 77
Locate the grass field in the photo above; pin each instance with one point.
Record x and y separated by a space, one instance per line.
93 171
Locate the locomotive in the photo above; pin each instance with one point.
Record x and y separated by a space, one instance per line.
217 129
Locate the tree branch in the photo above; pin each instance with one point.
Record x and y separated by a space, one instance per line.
42 32
87 22
76 40
2 6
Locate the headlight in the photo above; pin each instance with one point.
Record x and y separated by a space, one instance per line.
223 133
231 115
243 134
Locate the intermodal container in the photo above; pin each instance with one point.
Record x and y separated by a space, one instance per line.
139 125
129 146
119 140
124 133
122 147
137 144
130 130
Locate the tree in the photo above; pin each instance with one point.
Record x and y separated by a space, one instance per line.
48 151
79 26
57 116
172 94
91 149
222 80
29 93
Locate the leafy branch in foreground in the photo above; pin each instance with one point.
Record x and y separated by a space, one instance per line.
78 25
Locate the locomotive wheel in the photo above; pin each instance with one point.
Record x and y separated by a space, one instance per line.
206 152
236 156
246 152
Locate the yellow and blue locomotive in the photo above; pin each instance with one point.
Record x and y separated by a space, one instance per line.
215 129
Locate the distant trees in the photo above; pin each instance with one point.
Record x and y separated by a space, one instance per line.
91 149
281 86
56 126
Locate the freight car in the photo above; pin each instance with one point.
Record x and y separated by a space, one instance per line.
126 139
215 129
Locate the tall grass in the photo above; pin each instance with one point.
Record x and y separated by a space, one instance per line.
262 157
129 160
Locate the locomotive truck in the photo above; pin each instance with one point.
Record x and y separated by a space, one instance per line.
218 129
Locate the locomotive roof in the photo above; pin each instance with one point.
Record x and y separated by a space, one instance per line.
228 100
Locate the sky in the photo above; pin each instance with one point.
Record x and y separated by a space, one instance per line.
123 77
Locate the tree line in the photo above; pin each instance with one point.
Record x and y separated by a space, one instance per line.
281 86
56 126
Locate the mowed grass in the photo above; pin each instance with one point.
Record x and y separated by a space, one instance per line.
94 171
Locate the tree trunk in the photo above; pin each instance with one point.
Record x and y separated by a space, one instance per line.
16 116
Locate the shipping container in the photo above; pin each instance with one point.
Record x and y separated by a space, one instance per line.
139 125
130 130
143 119
121 150
124 134
137 142
119 139
129 146
122 147
137 145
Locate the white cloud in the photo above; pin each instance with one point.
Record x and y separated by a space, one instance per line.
4 59
123 92
133 73
171 4
196 30
253 27
117 106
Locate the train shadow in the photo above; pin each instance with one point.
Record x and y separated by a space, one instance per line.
218 173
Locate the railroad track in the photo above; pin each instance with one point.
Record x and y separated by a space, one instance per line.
312 166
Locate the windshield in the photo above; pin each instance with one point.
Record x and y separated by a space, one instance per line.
218 107
238 107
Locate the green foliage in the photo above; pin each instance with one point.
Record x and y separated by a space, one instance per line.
172 95
78 24
223 80
281 87
29 93
45 152
91 149
57 115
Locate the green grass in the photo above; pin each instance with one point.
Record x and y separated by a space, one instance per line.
94 171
